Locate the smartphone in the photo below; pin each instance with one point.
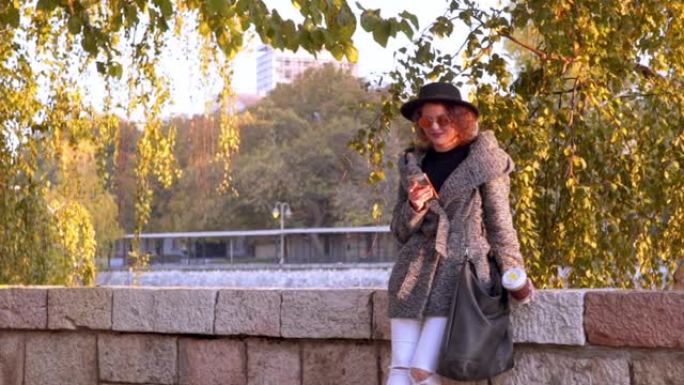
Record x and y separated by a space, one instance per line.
423 180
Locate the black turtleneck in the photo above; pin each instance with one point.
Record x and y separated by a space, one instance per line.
439 165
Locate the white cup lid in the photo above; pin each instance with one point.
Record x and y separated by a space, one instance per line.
514 278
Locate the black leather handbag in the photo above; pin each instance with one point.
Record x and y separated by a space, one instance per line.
477 342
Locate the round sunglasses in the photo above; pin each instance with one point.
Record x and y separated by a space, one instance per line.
427 122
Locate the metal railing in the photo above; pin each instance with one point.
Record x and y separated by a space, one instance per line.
371 244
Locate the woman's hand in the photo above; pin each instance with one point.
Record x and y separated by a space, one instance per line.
419 194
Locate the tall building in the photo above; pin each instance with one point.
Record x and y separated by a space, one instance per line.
275 67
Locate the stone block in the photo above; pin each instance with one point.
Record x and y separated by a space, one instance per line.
23 308
250 311
553 317
11 358
381 323
80 308
273 362
184 311
212 362
339 363
326 313
60 359
137 358
659 369
133 309
538 367
164 310
635 318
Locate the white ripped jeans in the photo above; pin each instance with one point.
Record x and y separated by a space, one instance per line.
415 344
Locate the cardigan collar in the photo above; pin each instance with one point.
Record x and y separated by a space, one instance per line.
486 160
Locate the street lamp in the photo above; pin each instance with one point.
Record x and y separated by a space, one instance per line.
281 210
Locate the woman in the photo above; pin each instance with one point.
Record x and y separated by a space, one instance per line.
466 206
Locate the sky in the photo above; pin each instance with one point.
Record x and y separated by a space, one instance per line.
191 94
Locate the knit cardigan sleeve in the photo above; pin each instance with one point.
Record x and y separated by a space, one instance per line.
501 234
405 220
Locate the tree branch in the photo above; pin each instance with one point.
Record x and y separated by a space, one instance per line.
542 55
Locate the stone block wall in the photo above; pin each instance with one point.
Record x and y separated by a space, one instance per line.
169 336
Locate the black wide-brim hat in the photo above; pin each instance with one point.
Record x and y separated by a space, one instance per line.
436 92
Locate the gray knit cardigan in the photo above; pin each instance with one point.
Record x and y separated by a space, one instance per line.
472 211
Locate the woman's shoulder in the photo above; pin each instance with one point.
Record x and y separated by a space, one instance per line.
486 139
414 150
409 161
490 154
409 154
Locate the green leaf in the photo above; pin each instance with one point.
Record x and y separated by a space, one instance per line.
115 70
351 53
89 43
74 24
165 7
318 37
346 21
337 52
406 28
411 17
370 19
217 6
423 55
376 212
11 17
46 5
382 32
131 14
442 27
290 36
101 68
394 27
154 15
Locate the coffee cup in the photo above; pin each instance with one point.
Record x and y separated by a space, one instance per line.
518 285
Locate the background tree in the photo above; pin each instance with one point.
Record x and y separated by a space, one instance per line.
123 175
192 202
76 181
293 148
297 151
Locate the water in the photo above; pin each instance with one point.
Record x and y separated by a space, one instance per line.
289 276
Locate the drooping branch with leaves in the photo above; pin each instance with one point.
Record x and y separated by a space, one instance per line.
47 48
586 96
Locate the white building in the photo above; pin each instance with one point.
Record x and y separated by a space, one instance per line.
275 67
